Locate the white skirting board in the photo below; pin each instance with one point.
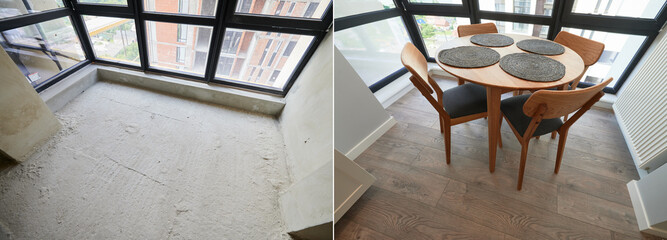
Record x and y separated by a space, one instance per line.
647 197
370 139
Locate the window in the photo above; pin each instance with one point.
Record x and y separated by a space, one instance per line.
542 7
192 7
251 49
273 55
621 8
311 9
225 65
370 33
110 2
182 33
12 8
43 50
303 9
438 1
231 41
344 8
165 52
374 49
267 45
114 39
435 30
534 30
619 49
50 39
180 54
279 8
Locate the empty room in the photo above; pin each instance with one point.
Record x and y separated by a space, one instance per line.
166 119
500 119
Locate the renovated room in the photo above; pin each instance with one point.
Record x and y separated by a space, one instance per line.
500 119
166 119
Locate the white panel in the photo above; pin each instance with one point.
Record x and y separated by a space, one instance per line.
642 110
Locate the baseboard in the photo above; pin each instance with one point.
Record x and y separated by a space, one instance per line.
370 139
640 211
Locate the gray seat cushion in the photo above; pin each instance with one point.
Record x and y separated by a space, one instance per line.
512 108
464 100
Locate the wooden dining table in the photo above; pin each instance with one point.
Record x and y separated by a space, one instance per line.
497 81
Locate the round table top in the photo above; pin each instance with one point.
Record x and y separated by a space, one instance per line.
494 76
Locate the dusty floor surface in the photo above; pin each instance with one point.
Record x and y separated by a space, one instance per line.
134 164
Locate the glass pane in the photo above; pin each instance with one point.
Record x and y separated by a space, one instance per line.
438 1
535 7
180 47
112 2
9 8
192 7
265 58
534 30
344 8
374 49
113 39
625 8
284 8
43 50
437 30
619 49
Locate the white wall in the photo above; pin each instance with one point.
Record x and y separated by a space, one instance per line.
306 124
359 117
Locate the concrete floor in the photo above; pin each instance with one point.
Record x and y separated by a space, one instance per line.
134 164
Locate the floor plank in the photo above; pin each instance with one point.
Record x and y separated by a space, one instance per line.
356 231
597 211
403 218
512 217
403 179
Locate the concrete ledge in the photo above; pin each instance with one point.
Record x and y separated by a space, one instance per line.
236 98
67 89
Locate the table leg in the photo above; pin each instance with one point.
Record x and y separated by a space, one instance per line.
493 110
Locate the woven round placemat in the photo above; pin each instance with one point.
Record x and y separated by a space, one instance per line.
469 57
491 40
540 47
532 67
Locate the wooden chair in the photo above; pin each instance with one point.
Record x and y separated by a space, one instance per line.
539 113
473 29
589 51
455 105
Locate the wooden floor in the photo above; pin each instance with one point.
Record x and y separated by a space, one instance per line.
418 196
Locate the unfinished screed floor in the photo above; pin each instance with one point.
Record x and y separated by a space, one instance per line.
135 164
418 196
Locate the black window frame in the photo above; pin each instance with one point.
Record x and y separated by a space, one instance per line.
225 17
561 16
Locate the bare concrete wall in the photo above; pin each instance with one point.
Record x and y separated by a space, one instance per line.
306 123
358 113
307 120
25 120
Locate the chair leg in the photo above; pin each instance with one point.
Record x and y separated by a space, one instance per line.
553 134
522 167
538 137
500 135
442 125
448 142
561 148
516 93
461 81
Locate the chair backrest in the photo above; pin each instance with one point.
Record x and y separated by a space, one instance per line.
560 103
414 61
472 29
589 50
